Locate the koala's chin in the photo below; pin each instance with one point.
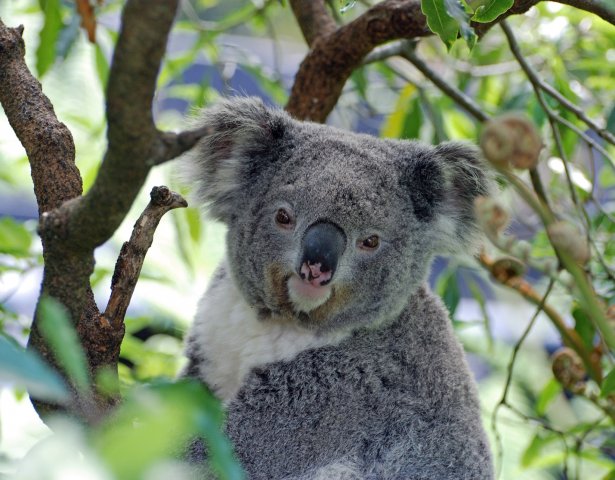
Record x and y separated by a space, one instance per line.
306 297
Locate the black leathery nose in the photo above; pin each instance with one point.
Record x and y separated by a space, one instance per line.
323 243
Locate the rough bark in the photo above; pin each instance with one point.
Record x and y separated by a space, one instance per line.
71 226
130 260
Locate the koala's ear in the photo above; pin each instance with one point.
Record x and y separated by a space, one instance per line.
242 138
444 183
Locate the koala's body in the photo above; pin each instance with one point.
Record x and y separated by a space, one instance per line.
332 356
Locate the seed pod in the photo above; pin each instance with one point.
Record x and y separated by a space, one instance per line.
505 268
569 370
511 139
491 214
566 237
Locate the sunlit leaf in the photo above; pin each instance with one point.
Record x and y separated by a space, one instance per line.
448 288
26 369
456 10
102 66
584 327
534 452
15 239
549 393
488 10
439 21
46 52
395 123
157 423
608 384
55 325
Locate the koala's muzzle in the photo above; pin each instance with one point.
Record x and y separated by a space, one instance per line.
322 245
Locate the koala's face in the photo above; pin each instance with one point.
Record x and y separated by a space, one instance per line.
327 228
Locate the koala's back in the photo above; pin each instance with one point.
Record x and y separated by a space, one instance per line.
395 402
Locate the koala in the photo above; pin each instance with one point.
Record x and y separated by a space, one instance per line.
318 332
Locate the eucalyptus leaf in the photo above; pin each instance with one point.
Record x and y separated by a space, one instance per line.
608 384
439 21
55 325
15 239
155 421
489 10
48 37
26 369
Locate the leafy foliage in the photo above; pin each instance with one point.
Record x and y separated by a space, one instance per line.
543 428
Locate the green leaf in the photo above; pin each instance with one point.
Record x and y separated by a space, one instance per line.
48 37
439 21
456 10
146 418
55 325
534 450
584 327
15 239
67 37
489 10
549 393
608 384
394 125
610 122
448 288
359 79
27 370
102 66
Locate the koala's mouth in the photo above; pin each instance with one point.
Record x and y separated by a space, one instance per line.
291 299
306 296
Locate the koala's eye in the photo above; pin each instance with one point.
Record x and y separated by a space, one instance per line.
282 218
370 243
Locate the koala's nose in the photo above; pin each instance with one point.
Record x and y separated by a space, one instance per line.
321 248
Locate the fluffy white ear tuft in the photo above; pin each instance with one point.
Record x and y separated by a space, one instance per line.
466 176
241 136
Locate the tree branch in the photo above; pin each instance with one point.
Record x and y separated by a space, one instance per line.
570 336
313 18
132 255
539 84
134 143
335 53
174 144
71 226
334 56
601 8
457 95
48 143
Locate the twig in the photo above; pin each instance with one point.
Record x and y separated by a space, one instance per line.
336 52
457 95
132 255
598 7
174 144
569 336
386 51
511 364
540 85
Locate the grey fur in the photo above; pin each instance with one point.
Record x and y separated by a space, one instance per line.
394 399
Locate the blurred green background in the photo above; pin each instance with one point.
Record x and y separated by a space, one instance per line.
254 48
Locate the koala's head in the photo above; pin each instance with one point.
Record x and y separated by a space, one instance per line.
329 228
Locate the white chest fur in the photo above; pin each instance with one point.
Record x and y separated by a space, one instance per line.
233 340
